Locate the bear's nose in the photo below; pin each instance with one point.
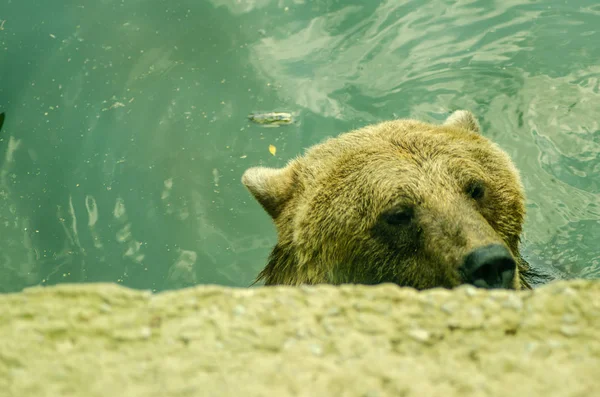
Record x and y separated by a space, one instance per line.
491 266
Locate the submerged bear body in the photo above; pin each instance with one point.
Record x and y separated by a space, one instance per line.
403 201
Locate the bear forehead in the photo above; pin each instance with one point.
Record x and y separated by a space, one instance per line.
405 148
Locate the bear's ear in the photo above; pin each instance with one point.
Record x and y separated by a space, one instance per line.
272 187
463 119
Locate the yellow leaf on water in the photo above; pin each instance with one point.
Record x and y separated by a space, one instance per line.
272 149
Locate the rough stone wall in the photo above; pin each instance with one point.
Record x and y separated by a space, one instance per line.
105 340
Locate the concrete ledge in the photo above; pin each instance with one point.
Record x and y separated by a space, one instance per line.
106 340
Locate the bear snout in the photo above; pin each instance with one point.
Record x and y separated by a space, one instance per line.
490 266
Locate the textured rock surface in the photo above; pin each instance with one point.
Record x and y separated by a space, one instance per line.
105 340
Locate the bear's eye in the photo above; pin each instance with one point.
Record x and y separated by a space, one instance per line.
398 216
476 190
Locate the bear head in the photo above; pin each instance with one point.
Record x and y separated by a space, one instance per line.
406 202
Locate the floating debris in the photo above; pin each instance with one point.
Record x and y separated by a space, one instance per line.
272 118
272 150
114 106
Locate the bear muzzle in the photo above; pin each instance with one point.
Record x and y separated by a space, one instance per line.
490 266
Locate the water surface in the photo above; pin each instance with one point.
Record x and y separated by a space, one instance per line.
126 132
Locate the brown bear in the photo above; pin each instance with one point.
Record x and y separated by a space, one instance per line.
406 202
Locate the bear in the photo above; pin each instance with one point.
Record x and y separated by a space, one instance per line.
406 202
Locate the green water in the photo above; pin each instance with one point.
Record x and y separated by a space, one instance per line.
126 131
